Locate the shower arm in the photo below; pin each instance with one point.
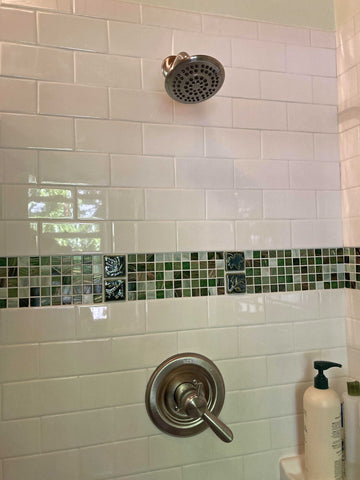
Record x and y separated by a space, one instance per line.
190 398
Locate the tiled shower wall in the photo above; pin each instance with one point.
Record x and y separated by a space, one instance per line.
97 159
348 60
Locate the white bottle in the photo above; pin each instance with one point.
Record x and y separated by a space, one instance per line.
322 428
352 431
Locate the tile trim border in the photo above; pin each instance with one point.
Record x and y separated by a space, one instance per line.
59 280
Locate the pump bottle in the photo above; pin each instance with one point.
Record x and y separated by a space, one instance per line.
352 430
322 428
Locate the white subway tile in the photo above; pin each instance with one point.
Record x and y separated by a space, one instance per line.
233 204
236 310
151 80
216 112
37 325
248 437
266 234
70 31
176 314
240 82
259 114
287 432
286 87
350 206
350 173
228 468
349 143
314 175
32 131
354 358
74 100
20 166
171 18
120 458
326 147
261 174
32 399
325 90
54 466
292 306
143 350
289 204
287 145
17 25
109 9
60 432
17 95
137 171
227 26
312 118
132 421
28 202
332 303
124 237
115 319
112 389
155 236
58 5
232 143
22 437
319 334
201 43
138 105
139 40
258 55
351 231
50 466
175 204
291 368
353 333
108 136
346 30
328 204
311 61
347 85
126 204
173 140
107 70
21 238
326 233
265 464
37 63
243 373
174 473
20 362
206 235
76 357
219 343
86 168
67 238
320 38
204 173
265 340
279 33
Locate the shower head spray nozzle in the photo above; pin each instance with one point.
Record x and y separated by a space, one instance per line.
192 79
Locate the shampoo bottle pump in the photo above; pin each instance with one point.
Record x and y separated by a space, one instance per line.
322 428
352 430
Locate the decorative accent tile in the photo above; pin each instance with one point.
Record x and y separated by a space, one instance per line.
234 261
114 266
115 290
235 283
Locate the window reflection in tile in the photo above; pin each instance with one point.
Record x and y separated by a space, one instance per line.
50 203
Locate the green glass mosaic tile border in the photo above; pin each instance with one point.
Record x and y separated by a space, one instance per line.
87 279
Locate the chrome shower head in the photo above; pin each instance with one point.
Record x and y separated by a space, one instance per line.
192 79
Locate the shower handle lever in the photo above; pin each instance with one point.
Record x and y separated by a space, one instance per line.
190 398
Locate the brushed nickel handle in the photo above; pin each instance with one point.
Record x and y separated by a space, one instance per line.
191 400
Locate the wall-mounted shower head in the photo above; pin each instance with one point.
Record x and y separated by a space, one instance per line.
192 79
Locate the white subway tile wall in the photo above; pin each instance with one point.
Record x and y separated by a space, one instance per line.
95 157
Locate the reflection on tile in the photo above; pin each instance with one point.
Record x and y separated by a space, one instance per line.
234 261
50 203
235 283
114 265
115 290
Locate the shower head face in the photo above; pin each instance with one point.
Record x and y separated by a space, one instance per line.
192 79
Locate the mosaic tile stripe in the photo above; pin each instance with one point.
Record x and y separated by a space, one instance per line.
87 279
